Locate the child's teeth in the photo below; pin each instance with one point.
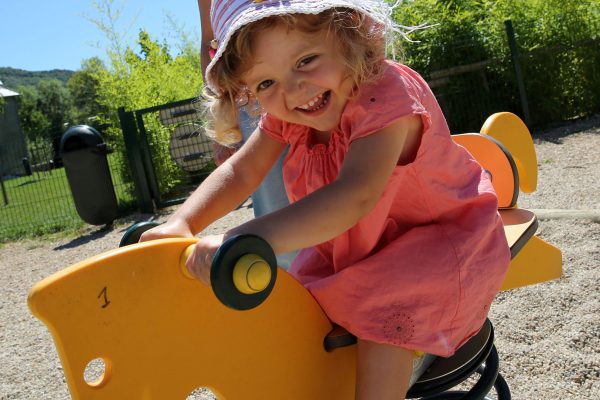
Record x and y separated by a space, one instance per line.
314 101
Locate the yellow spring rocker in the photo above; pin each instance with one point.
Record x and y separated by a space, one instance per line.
155 333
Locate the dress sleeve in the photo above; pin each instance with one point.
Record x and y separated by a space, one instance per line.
396 94
273 127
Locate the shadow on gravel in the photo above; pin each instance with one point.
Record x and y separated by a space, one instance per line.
94 235
556 132
119 225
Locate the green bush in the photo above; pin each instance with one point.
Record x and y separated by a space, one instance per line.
557 40
147 78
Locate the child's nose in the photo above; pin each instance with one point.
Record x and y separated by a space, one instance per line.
295 91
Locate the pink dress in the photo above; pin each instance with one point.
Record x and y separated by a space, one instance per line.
421 269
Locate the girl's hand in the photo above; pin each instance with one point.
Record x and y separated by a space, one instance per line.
200 260
222 153
170 229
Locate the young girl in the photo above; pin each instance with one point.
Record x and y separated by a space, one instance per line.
270 194
401 241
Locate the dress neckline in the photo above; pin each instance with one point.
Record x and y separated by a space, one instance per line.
319 147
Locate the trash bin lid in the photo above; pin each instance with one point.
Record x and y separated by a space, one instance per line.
79 137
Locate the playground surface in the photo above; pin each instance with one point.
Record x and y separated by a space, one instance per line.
548 335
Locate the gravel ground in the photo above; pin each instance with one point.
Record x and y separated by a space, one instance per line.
548 335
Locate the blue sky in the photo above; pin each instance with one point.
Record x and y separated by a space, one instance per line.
38 35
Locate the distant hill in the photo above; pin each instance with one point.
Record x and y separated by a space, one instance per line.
12 77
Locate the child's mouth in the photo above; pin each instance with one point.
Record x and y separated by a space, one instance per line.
316 103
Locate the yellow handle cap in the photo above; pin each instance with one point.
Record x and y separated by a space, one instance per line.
251 274
182 260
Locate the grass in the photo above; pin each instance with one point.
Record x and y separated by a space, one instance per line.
37 204
42 204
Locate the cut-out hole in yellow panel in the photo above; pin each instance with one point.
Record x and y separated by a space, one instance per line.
97 372
201 394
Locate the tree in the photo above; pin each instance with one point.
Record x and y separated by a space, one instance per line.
34 123
56 103
146 75
44 113
147 78
84 88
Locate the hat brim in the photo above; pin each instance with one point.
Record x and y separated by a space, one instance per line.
377 10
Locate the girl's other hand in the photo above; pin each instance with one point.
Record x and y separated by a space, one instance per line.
170 229
222 153
200 260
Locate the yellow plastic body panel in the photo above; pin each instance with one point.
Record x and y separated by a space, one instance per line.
162 335
494 160
512 132
536 262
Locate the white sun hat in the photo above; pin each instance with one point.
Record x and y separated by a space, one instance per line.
227 16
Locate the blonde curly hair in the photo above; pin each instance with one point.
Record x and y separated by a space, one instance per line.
361 41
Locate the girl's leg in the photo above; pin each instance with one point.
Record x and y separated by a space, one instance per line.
383 371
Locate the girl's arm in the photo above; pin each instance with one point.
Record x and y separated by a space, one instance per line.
333 209
223 190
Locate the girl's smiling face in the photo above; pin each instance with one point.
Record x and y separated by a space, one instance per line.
299 77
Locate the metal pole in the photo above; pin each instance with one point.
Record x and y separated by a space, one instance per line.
4 195
132 147
514 53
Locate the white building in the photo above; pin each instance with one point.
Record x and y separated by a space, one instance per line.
12 142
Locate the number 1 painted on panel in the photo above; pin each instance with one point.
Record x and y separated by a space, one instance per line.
104 295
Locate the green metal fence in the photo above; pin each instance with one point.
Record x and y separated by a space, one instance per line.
570 86
543 85
171 152
36 198
470 93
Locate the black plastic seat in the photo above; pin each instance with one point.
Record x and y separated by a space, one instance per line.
476 357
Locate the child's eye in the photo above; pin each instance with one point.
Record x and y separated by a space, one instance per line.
306 60
265 84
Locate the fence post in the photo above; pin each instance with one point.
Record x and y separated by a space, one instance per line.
138 173
4 195
514 54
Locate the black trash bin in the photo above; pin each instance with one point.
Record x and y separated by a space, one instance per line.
83 153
